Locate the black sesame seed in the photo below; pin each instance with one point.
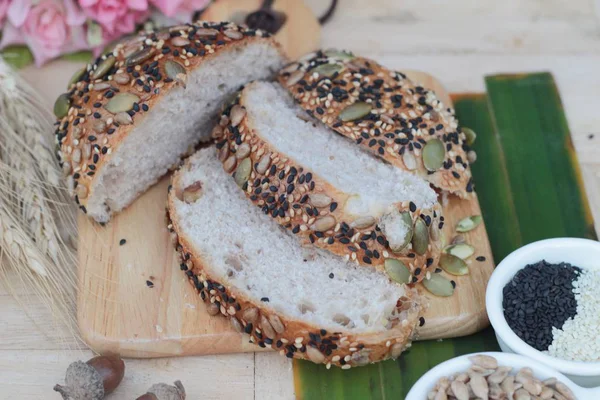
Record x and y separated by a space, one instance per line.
264 299
150 284
122 242
421 321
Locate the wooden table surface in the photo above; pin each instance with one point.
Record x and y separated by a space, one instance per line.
457 41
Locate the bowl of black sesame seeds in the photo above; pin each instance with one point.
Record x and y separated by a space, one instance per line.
543 301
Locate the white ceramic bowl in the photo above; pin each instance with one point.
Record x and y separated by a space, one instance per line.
578 252
420 390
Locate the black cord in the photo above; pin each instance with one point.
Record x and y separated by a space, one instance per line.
323 19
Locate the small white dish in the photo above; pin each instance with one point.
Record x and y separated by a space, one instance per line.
582 253
459 364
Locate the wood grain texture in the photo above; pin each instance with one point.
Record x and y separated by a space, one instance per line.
119 312
300 34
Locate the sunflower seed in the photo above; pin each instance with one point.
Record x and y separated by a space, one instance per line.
410 162
397 270
438 285
458 239
76 156
564 390
324 223
396 350
139 56
547 393
461 250
469 223
470 135
123 118
101 86
103 67
314 355
237 326
420 239
242 173
290 68
362 222
206 32
237 114
319 200
294 78
250 315
453 265
76 77
61 106
230 163
471 157
122 102
355 111
328 69
242 151
339 54
266 327
434 153
263 163
121 78
522 394
179 41
230 33
276 323
192 192
176 72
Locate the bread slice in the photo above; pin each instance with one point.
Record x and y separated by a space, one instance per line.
384 112
323 188
131 115
303 302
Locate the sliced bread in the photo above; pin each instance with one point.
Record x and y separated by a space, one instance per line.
303 302
129 117
384 112
326 190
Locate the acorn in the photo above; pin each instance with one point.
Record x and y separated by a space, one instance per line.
92 380
162 391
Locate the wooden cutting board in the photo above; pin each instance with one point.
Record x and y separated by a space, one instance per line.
119 312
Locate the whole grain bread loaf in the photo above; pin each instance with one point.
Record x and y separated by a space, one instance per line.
132 114
326 190
385 113
302 301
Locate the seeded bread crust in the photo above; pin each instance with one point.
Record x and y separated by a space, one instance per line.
293 338
394 118
311 207
132 78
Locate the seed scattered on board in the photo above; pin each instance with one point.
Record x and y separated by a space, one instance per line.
150 284
122 242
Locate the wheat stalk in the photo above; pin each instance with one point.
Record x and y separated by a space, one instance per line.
37 219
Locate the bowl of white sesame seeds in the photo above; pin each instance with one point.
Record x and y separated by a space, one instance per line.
543 301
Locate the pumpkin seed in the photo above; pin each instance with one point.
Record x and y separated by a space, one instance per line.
397 270
420 239
434 153
123 118
339 54
453 265
76 77
242 173
355 111
122 102
328 69
243 151
61 105
230 33
469 223
103 67
176 72
438 285
139 56
410 162
461 250
470 134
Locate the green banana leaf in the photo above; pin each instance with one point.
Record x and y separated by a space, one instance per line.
529 187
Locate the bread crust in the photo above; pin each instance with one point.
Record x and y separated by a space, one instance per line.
293 338
136 68
402 118
310 207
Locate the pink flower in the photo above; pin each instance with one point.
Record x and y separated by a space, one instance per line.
116 17
48 27
173 7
